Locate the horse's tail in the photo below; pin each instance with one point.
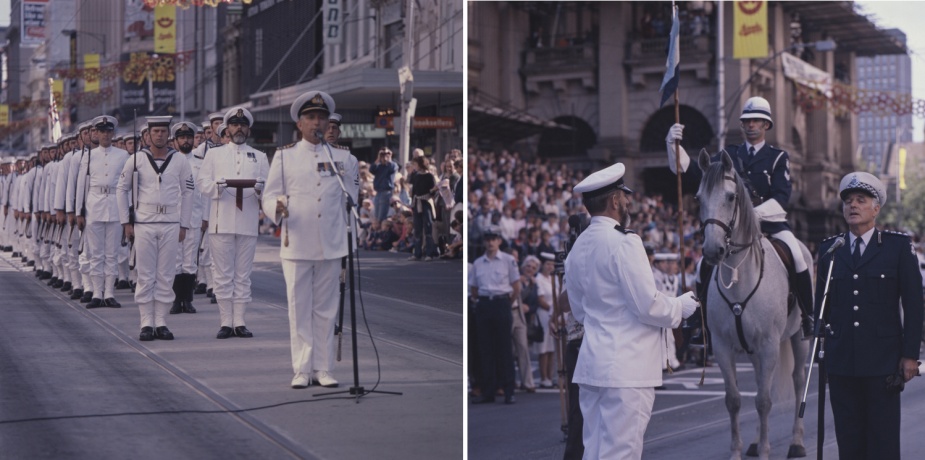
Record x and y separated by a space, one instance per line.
782 385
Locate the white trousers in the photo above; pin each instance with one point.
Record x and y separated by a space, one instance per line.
186 257
312 291
154 314
101 246
798 261
232 257
205 261
615 421
156 249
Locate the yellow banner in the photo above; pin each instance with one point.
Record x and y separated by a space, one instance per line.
902 168
57 88
91 73
165 29
750 30
4 115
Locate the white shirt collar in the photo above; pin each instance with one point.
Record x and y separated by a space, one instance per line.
604 219
757 146
865 238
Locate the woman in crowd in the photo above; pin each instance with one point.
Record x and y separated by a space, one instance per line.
423 184
547 347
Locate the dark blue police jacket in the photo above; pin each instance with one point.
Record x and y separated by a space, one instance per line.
864 336
767 176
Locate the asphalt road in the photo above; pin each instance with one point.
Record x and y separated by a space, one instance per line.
77 383
688 422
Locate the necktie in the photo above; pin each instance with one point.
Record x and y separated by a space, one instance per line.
856 254
751 151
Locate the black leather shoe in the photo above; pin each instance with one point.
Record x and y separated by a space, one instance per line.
224 332
15 254
77 294
95 303
241 331
176 308
200 288
51 282
147 334
59 284
87 295
209 293
66 286
187 307
45 276
162 333
112 303
214 300
123 284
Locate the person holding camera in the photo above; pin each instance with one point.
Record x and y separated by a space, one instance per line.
612 292
383 171
872 323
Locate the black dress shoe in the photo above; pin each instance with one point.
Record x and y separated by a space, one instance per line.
87 295
123 284
162 333
176 308
209 293
51 282
187 307
66 286
45 276
15 254
200 288
241 331
147 334
77 294
112 303
224 332
95 303
214 300
59 285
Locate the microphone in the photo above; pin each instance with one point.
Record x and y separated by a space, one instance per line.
839 242
319 135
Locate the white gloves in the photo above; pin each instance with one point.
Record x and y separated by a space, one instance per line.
220 182
675 134
688 304
771 211
259 185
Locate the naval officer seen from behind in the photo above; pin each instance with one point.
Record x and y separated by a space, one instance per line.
612 292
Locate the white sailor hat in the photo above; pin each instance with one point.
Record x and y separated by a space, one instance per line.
312 100
200 129
144 128
757 107
335 118
221 129
162 121
183 128
105 123
206 124
603 181
216 116
84 126
238 115
665 256
863 182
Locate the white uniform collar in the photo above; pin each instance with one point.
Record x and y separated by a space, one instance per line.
757 146
606 220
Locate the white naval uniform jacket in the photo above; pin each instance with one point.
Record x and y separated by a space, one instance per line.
51 176
105 165
317 207
612 292
232 161
73 173
64 166
196 205
38 189
25 191
164 197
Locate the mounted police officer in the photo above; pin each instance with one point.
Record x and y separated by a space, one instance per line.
873 323
766 170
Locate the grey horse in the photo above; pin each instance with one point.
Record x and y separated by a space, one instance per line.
751 282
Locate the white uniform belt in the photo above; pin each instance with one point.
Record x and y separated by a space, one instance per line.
157 208
105 190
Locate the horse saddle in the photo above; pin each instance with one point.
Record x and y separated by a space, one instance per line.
783 252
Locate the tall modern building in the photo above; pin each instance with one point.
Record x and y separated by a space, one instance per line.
877 132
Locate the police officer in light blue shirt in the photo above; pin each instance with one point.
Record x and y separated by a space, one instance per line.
494 282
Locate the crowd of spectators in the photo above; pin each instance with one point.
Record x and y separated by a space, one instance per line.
529 201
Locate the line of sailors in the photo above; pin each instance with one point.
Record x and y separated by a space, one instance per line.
66 209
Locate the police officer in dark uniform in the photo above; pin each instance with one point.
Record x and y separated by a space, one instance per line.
766 170
873 324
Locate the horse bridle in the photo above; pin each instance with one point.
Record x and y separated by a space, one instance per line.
728 227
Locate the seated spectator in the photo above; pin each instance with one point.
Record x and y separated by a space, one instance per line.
386 237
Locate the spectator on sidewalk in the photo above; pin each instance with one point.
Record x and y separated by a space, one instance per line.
383 170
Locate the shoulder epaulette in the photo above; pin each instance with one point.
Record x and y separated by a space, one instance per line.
831 238
891 232
338 146
287 146
624 230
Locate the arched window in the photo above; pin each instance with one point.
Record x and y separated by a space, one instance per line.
697 130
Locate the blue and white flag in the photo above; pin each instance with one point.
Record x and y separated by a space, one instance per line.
670 82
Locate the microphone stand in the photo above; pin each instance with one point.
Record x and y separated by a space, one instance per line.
356 389
819 344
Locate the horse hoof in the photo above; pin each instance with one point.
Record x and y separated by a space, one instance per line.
752 450
796 451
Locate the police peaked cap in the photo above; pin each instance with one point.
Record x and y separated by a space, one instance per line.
105 123
238 115
312 100
863 182
183 128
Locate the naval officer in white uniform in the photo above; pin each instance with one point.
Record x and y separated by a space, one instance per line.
303 186
162 216
185 280
102 168
612 292
233 230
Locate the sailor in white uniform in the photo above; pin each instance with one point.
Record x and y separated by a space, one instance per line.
78 262
185 276
157 185
303 186
211 140
233 218
100 170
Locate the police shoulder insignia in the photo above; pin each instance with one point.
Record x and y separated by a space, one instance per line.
831 238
